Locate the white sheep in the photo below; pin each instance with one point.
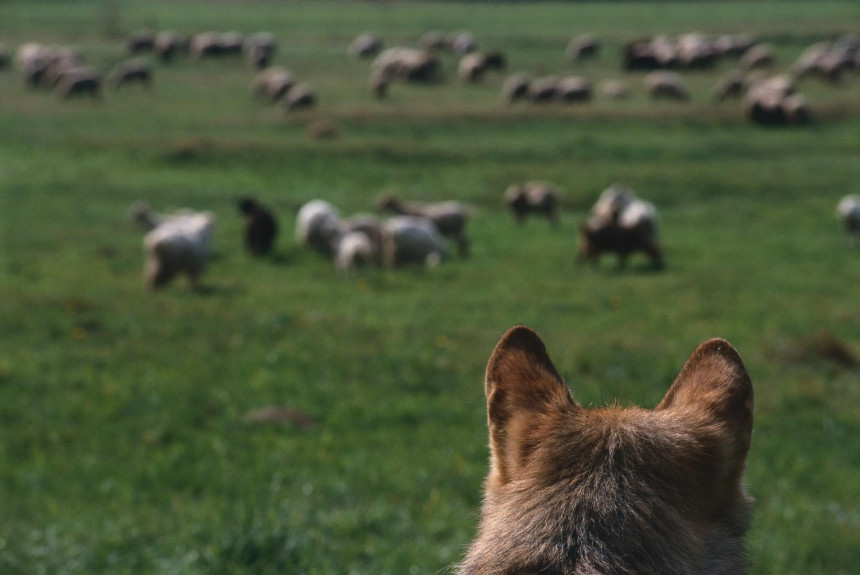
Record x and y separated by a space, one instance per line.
180 244
612 201
411 240
317 225
352 251
640 215
669 85
450 218
848 211
532 197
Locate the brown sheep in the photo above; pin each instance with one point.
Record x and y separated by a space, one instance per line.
532 197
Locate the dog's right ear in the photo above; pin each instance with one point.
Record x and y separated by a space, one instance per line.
522 387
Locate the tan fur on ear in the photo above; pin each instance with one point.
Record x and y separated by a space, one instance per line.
522 385
715 384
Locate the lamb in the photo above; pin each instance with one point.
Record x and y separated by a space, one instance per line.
848 211
131 71
261 226
450 218
666 85
180 245
532 197
317 225
411 240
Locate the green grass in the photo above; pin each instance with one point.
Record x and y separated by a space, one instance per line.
124 444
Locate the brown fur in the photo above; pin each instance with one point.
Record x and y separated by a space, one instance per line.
613 491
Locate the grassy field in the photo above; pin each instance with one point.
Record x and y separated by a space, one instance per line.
125 443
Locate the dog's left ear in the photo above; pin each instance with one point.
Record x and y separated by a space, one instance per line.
522 387
714 383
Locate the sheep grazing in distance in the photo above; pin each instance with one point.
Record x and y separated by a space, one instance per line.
131 72
623 224
532 197
582 46
140 41
299 97
261 226
358 243
58 62
615 89
271 84
543 89
734 45
516 87
365 46
260 48
167 45
450 218
473 66
379 82
611 202
215 44
317 226
573 89
775 101
463 43
80 81
759 56
848 212
826 61
732 85
666 85
434 40
407 64
411 240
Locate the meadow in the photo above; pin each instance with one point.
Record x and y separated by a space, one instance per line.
125 439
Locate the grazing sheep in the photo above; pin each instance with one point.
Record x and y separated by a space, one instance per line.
167 45
450 218
473 66
640 215
734 45
611 203
32 59
260 48
516 87
759 56
615 89
582 46
407 64
463 43
597 238
179 245
543 89
140 41
365 46
80 81
215 44
353 251
271 84
573 89
131 72
848 211
434 40
666 85
299 97
366 224
732 85
58 62
261 227
696 51
532 197
774 101
317 225
411 240
379 82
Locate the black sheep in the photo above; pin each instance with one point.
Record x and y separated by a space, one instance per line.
261 227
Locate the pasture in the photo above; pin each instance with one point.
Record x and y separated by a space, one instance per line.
126 444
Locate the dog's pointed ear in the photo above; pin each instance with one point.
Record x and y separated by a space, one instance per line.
715 383
522 387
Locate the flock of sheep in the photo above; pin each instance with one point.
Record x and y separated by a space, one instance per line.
767 98
417 234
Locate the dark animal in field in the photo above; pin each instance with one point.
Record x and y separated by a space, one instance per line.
450 218
365 46
666 85
613 491
597 238
140 41
532 198
260 48
82 81
582 46
131 72
261 226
